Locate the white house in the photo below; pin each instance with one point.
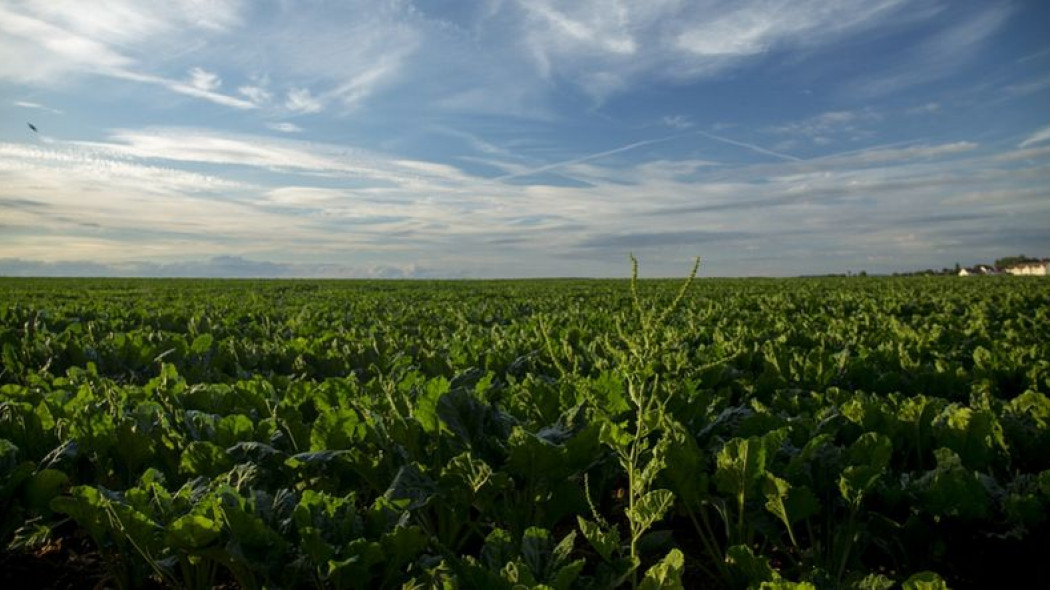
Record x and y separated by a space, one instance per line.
1039 268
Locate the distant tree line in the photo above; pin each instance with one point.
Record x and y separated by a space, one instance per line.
1009 261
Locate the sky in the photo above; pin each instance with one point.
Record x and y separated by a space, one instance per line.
521 138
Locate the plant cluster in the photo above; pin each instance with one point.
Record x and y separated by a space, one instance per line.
808 433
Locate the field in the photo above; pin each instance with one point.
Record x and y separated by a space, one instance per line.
800 433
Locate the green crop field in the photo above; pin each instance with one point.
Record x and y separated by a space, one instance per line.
866 433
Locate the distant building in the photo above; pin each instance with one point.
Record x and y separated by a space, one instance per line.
980 269
1037 268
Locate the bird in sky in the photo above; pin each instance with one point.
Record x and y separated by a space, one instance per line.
33 127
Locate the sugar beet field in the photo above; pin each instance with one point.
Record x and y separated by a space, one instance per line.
864 433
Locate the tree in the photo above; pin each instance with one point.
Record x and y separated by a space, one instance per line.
1013 260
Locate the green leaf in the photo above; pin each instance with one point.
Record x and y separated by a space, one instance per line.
201 344
426 404
615 436
665 574
609 392
871 449
8 456
233 429
755 569
650 508
86 506
789 504
874 582
411 487
498 549
338 429
605 540
786 585
741 464
976 435
204 458
535 547
466 470
925 581
43 487
474 423
192 531
563 550
564 578
401 546
952 490
868 457
982 358
250 534
685 472
531 457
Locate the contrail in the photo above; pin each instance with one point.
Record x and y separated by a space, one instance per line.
643 143
755 148
590 157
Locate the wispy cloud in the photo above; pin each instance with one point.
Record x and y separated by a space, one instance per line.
33 105
186 88
204 80
285 127
832 125
60 42
605 46
939 56
930 108
680 122
1030 86
1037 137
300 100
256 94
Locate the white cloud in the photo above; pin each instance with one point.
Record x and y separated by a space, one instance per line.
300 100
360 86
283 155
285 127
1037 137
930 108
826 127
325 52
880 155
34 105
180 87
86 202
40 52
680 122
256 94
101 168
57 42
204 80
605 45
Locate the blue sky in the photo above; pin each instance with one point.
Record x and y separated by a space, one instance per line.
506 138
